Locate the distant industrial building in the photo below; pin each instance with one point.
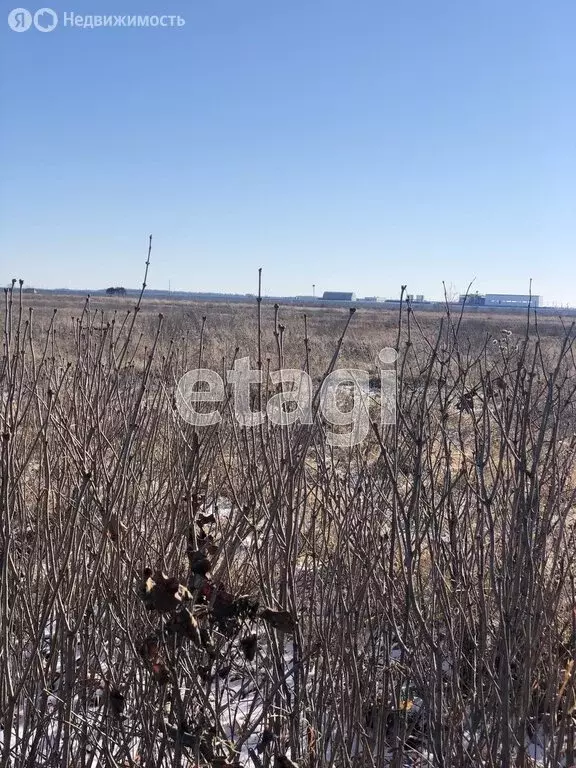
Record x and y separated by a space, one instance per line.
371 298
500 300
338 296
511 300
418 299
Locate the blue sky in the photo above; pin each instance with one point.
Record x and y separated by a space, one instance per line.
354 144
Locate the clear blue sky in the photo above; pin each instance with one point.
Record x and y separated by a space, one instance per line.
354 144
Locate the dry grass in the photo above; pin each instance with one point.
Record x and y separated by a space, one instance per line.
430 568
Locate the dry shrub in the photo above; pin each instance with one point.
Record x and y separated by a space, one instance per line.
430 569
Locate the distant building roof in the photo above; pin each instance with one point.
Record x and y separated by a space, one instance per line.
339 296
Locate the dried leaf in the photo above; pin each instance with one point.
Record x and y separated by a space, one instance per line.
161 593
116 702
198 562
185 624
249 646
280 620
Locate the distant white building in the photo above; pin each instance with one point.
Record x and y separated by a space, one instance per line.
511 300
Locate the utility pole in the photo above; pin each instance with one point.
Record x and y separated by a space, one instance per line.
313 291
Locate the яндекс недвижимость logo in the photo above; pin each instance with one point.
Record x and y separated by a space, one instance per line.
21 20
46 19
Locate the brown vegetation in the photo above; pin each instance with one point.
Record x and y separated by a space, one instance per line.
419 588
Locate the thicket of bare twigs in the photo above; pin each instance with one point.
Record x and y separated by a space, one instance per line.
410 597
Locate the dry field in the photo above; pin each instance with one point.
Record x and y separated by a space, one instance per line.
223 595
